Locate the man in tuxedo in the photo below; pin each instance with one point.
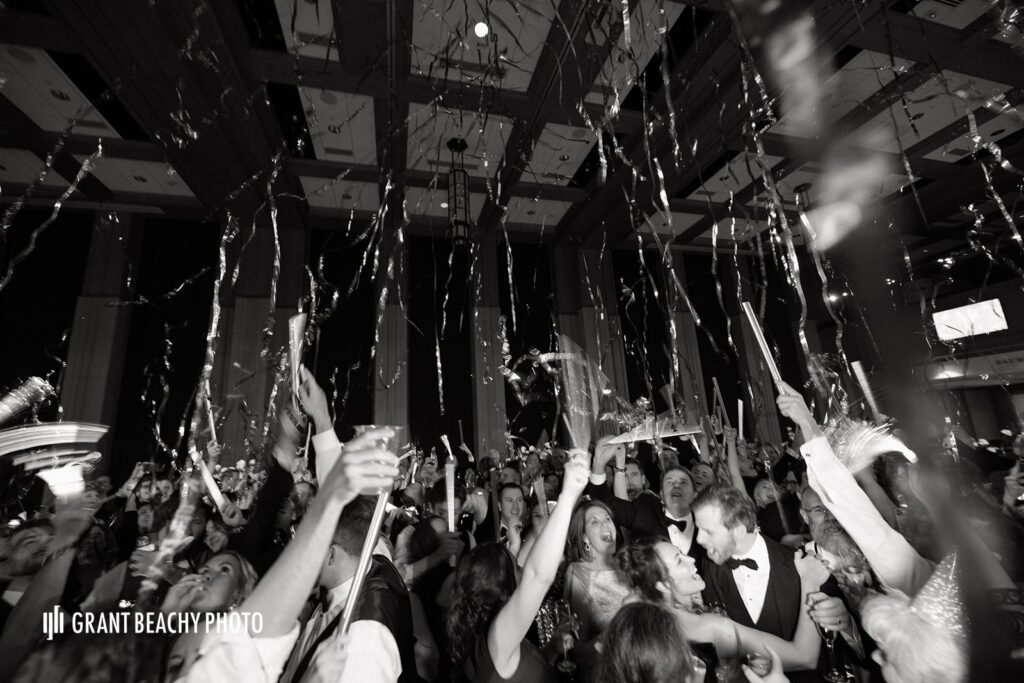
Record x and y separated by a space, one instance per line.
752 576
381 632
646 515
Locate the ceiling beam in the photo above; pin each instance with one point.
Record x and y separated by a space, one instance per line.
280 67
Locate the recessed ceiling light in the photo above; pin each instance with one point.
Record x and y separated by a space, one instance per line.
564 157
443 205
481 29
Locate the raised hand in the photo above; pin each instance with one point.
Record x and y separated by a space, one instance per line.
364 467
792 405
828 612
313 400
730 434
604 452
180 595
577 473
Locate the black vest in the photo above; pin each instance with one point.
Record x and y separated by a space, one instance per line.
383 599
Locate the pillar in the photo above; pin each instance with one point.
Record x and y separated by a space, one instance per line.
586 310
488 382
691 371
91 387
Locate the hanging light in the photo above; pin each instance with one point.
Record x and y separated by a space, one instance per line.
458 194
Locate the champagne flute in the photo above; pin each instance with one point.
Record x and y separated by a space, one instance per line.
834 674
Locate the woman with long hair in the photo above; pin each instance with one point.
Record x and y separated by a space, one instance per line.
645 644
659 572
491 612
593 585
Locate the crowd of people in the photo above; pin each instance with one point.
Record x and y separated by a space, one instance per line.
728 562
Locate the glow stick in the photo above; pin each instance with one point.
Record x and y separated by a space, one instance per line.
209 410
370 542
739 418
449 487
869 396
766 351
211 484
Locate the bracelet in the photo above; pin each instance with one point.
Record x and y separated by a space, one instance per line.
619 469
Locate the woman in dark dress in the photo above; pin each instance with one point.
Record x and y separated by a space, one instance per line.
490 614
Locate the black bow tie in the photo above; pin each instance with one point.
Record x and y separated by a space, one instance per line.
324 596
677 523
732 563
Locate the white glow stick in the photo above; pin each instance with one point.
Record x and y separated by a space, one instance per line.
869 396
209 410
211 484
739 419
449 485
766 351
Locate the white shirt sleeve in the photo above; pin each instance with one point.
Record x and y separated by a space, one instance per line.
598 479
328 450
372 654
893 559
239 656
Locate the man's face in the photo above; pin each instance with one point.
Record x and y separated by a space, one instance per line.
677 489
712 534
634 480
165 488
511 505
702 476
441 508
509 475
812 509
28 550
145 518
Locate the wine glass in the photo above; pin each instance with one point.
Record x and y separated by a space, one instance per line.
834 674
567 634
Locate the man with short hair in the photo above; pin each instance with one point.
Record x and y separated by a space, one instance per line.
382 624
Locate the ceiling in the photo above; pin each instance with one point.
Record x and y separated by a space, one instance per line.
198 104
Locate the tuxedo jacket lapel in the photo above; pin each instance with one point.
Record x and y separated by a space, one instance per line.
722 588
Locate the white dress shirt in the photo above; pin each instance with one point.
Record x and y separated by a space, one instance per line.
681 539
753 583
239 656
373 652
894 561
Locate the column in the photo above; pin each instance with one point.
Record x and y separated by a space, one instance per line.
691 371
586 309
391 371
760 389
488 382
242 379
95 364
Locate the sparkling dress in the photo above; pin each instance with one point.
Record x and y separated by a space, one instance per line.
606 592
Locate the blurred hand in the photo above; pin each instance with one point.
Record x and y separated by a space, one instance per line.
730 434
71 519
604 452
140 562
364 467
214 449
451 544
313 400
828 612
577 473
179 596
813 572
232 515
775 676
477 502
792 405
329 662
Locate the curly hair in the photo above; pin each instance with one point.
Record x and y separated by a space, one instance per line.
484 581
643 569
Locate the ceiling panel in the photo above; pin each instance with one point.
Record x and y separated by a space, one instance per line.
962 146
558 154
545 212
444 44
646 29
342 194
421 201
429 130
933 106
340 125
733 177
859 79
680 222
314 23
955 13
38 87
24 167
148 177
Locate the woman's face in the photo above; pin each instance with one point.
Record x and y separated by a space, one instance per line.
702 476
216 538
145 518
222 577
599 531
683 579
538 519
764 493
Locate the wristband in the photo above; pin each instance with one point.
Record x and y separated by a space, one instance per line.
619 469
